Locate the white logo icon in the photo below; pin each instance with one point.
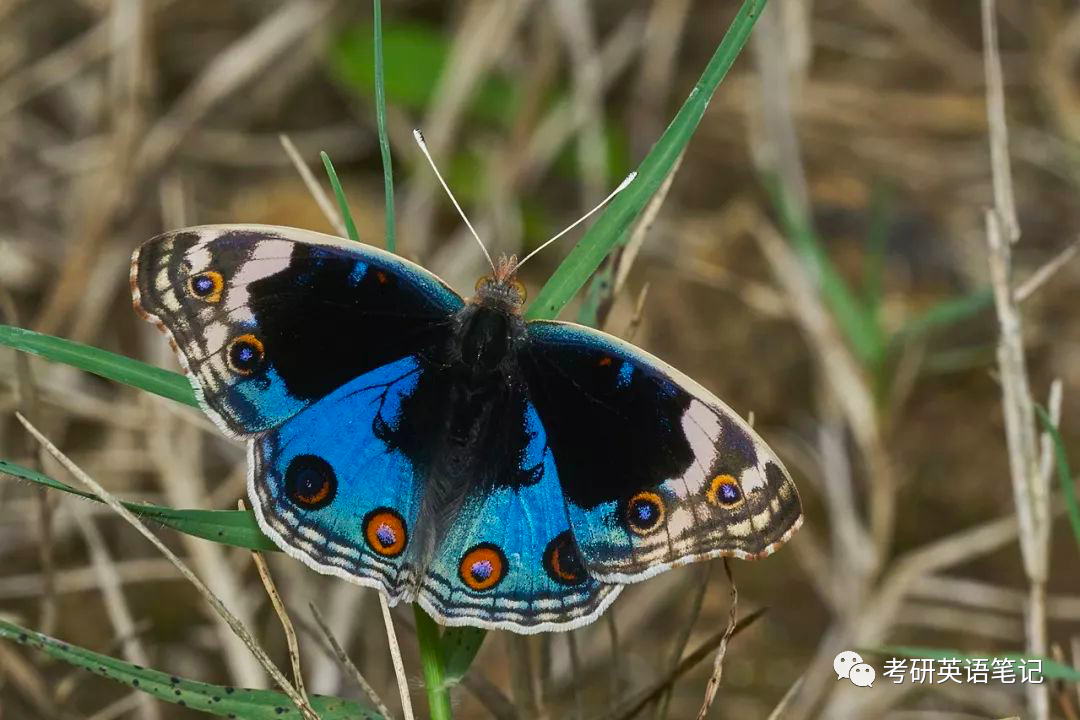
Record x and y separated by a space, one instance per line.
862 675
844 662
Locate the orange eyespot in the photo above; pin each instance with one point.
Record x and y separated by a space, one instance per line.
644 512
245 353
724 491
207 285
384 530
604 361
483 567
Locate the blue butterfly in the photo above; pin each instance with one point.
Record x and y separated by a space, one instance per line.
502 473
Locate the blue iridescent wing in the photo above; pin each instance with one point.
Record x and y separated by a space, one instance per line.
267 320
332 489
509 561
656 471
307 346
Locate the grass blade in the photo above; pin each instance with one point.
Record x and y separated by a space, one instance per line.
102 363
384 141
945 314
459 648
228 527
599 240
1068 489
339 193
855 319
200 696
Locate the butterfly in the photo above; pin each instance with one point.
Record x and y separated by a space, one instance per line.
501 473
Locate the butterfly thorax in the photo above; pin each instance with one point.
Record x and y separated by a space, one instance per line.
481 390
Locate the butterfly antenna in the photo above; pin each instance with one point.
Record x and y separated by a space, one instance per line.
423 148
622 186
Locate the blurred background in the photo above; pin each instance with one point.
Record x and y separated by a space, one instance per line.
863 348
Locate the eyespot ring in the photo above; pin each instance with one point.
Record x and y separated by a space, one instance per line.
384 530
244 354
724 491
644 512
207 285
563 562
483 567
310 482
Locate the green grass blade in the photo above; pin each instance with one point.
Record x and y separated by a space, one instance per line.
598 241
1068 489
945 314
339 193
202 697
228 527
433 664
856 321
459 648
101 362
384 141
874 250
1050 669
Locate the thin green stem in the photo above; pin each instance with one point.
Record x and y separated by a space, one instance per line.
384 140
346 216
431 659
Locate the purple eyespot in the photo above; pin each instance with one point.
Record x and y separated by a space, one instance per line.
386 535
481 570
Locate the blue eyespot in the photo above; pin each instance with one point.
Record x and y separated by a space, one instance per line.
245 353
644 512
724 491
207 285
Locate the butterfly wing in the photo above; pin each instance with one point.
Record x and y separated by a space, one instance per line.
332 489
307 346
268 320
509 561
656 471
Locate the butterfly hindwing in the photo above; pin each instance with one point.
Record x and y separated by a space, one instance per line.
509 560
332 489
656 471
268 320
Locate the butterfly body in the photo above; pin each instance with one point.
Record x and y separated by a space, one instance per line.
501 473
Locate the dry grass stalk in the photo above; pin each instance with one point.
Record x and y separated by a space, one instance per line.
237 627
1031 484
313 186
395 657
718 663
283 616
175 448
1041 276
116 604
350 667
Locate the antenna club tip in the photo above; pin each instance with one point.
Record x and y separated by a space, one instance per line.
418 135
629 179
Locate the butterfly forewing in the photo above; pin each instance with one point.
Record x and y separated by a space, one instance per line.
268 320
656 471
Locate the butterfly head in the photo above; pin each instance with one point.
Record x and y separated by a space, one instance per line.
502 289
